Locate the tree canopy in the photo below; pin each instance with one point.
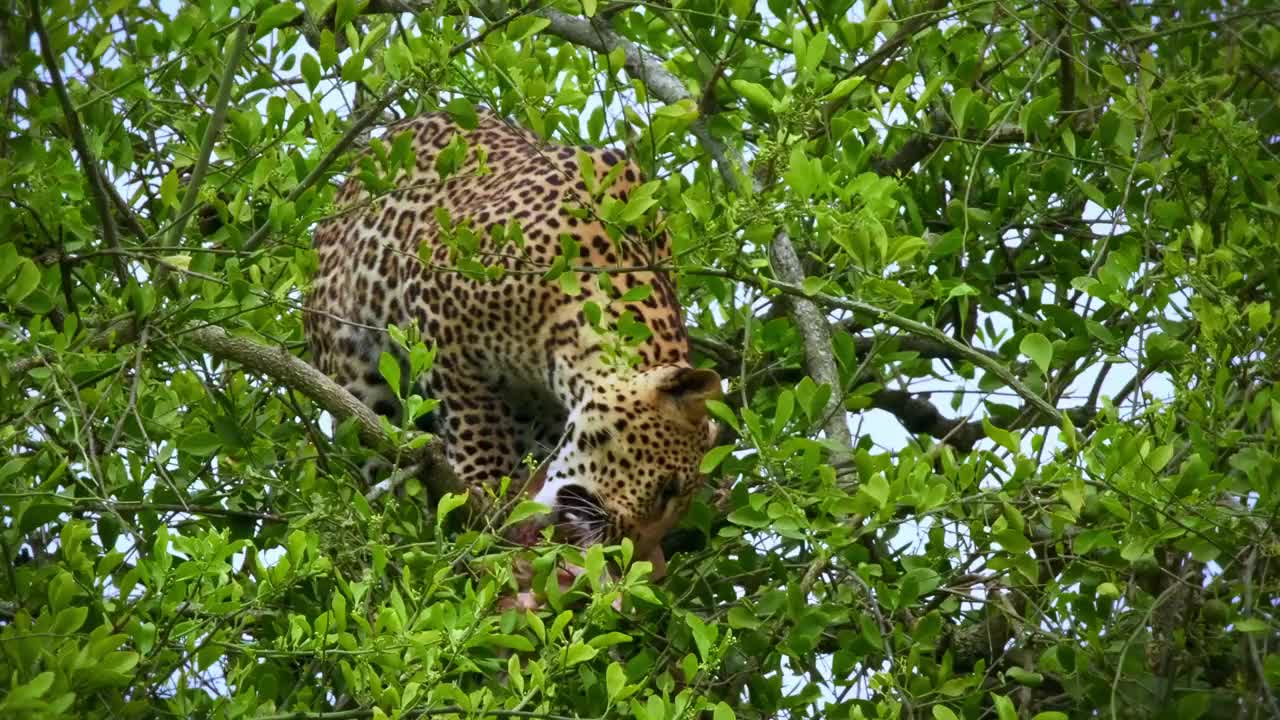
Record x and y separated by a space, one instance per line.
990 283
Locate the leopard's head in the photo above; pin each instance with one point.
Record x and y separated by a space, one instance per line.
628 465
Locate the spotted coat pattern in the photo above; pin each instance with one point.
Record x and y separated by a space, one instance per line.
519 369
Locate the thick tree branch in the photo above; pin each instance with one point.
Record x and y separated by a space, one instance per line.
283 367
926 141
913 150
290 371
918 415
961 350
816 333
914 411
1066 58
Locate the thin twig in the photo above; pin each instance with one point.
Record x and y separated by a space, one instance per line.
962 350
216 121
367 119
97 184
359 713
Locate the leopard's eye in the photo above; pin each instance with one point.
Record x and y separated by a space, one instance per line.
669 490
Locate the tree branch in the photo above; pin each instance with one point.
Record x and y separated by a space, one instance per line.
664 85
361 713
906 31
914 411
961 350
89 164
127 508
370 116
290 371
816 333
216 121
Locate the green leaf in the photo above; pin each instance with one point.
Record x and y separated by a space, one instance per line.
1259 315
202 444
587 170
876 488
639 201
144 637
813 285
69 620
749 517
169 188
1039 349
785 409
1003 438
389 369
755 93
1004 707
942 712
311 71
448 503
344 12
615 680
740 617
523 27
1251 625
815 53
1115 76
23 695
519 643
297 545
589 8
1158 458
960 106
713 458
26 281
609 639
930 91
9 261
1025 677
638 293
525 510
579 653
800 176
274 16
844 87
463 112
682 111
535 623
118 662
723 413
569 284
703 635
559 624
723 712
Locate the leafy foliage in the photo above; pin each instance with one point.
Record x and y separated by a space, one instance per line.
1007 208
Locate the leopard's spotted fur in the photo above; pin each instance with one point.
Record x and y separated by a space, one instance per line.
519 368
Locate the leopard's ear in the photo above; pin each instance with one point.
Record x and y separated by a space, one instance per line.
688 390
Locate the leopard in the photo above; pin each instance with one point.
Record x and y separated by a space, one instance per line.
525 367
